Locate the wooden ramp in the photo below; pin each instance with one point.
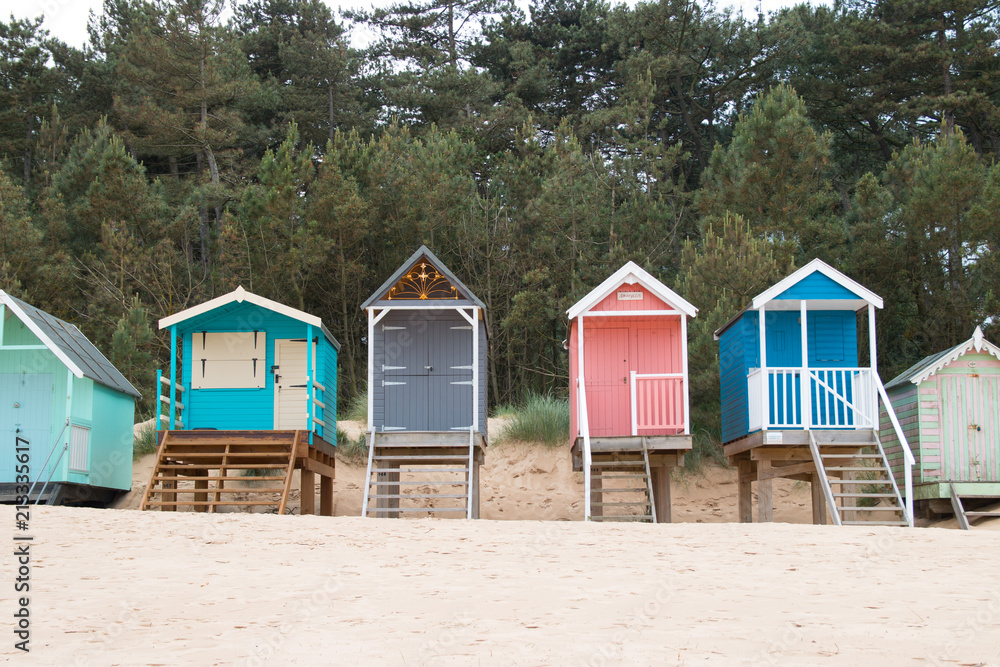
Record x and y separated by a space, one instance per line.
855 476
425 473
209 469
966 517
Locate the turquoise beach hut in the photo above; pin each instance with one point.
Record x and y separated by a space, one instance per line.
251 394
64 401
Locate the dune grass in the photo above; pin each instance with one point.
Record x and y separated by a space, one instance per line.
540 419
352 451
144 442
357 408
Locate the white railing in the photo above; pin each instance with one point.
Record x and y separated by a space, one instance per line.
583 425
174 406
657 402
908 460
831 398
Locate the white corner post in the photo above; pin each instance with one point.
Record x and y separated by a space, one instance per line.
765 395
371 367
475 373
633 399
686 380
873 363
805 383
584 426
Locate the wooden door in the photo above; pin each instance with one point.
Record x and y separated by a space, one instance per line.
290 394
660 401
449 369
606 370
26 412
978 399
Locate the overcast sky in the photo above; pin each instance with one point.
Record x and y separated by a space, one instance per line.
67 19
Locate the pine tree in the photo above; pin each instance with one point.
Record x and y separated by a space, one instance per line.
130 353
21 251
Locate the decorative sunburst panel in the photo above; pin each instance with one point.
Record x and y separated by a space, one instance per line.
422 282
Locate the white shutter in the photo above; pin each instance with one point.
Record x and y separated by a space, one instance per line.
79 449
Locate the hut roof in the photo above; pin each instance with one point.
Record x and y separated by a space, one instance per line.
69 345
239 296
423 252
930 365
859 295
631 273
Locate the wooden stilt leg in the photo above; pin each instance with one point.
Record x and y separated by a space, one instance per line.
818 501
661 493
595 497
325 495
307 503
765 501
393 489
169 496
200 484
745 469
474 490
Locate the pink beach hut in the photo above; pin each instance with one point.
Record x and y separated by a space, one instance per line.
629 405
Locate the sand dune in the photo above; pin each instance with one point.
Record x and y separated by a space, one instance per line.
123 587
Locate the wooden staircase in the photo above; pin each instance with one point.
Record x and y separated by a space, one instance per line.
208 469
441 475
963 515
858 484
624 474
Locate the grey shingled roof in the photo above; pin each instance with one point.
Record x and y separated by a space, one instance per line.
77 348
422 251
921 366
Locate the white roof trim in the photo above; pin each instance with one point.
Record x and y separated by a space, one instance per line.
239 295
977 343
812 267
631 273
48 342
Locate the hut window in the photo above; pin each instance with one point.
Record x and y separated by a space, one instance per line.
79 449
228 360
422 282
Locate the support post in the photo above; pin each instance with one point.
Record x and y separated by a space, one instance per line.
765 501
371 368
596 492
307 482
309 383
325 495
818 500
687 393
873 363
173 376
200 483
661 493
584 425
805 384
745 494
475 369
765 403
159 403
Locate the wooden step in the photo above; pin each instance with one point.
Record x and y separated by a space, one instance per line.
871 509
864 495
234 478
420 482
622 504
874 523
622 476
855 469
205 503
382 510
617 464
437 470
851 456
404 496
873 482
638 518
974 513
215 489
629 489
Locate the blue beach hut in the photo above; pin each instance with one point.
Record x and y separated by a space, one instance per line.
251 395
803 405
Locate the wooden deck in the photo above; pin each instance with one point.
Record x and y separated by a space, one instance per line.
194 467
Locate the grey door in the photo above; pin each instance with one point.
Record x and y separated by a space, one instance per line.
450 387
405 347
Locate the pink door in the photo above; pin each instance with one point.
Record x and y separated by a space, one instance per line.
606 368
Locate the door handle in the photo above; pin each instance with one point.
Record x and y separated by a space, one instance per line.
428 368
625 380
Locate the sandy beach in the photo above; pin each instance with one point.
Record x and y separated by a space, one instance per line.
123 587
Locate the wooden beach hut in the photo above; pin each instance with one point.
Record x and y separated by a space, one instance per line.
66 406
801 405
629 405
426 392
949 407
251 395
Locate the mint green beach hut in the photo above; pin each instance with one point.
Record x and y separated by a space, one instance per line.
63 403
